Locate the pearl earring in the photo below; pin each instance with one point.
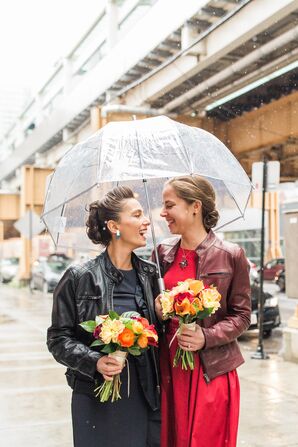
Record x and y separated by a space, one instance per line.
118 234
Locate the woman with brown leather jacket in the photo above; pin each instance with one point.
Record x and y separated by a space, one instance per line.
117 280
200 408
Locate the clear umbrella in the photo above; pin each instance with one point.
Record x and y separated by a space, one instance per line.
143 154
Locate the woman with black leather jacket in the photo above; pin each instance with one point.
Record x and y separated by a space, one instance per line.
116 279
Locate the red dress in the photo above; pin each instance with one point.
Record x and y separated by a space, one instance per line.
194 413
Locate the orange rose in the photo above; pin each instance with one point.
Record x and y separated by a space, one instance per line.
182 308
196 286
196 305
126 338
142 341
151 334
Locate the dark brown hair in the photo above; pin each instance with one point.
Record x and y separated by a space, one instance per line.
193 187
101 211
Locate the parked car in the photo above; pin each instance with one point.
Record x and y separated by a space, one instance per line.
253 273
9 268
272 267
280 279
271 311
47 272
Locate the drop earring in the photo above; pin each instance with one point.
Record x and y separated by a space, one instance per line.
118 234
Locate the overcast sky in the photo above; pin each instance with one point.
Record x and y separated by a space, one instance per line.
34 34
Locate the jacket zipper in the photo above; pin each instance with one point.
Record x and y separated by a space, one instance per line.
111 296
205 375
206 275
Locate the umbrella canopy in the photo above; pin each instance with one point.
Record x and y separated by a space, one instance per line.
137 153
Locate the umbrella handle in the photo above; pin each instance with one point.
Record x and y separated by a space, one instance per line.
161 285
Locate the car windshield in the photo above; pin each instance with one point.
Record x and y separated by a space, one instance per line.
58 266
10 261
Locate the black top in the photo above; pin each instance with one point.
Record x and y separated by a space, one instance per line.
124 293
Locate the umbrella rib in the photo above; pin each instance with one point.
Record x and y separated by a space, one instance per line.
160 281
48 188
236 203
187 154
230 221
68 200
48 230
251 188
98 163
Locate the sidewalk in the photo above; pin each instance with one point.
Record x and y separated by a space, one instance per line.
269 403
35 400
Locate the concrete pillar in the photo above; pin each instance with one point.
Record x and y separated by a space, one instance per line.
112 23
1 231
38 108
188 36
95 118
67 75
290 339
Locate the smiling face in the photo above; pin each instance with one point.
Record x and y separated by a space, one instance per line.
177 212
132 224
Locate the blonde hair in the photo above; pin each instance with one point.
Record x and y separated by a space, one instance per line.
192 188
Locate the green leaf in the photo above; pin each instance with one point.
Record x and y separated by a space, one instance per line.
113 315
108 349
128 324
97 343
205 313
134 351
89 326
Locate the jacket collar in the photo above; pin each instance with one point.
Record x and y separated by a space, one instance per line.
115 274
171 246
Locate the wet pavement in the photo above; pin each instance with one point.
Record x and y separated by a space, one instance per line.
35 400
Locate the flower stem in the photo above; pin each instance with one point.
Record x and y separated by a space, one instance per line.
109 389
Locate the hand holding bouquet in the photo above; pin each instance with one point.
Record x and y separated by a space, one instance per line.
119 335
189 300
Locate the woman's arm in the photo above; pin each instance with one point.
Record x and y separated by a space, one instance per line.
61 339
238 307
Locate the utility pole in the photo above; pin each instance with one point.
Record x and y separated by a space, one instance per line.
260 354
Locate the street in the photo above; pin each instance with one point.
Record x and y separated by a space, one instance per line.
35 405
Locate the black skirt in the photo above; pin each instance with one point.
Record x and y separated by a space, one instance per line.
127 422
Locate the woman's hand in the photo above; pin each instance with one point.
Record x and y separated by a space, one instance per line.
158 308
108 367
191 340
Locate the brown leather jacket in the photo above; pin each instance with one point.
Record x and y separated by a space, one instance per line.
224 265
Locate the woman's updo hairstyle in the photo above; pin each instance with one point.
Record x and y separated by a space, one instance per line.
101 211
193 187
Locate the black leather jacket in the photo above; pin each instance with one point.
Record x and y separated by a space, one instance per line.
84 292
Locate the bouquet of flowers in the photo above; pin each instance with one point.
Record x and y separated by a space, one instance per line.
118 336
189 300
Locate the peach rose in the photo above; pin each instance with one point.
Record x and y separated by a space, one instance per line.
210 298
137 327
142 341
196 286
